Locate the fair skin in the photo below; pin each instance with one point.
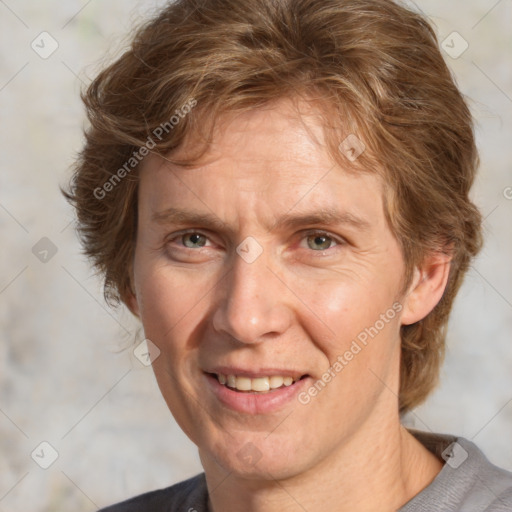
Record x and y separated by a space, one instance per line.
292 310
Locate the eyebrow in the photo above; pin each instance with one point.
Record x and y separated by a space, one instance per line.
324 216
180 216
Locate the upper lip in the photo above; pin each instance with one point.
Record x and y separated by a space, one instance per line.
256 373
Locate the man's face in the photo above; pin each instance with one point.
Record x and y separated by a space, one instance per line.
269 262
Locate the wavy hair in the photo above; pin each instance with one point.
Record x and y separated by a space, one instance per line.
374 68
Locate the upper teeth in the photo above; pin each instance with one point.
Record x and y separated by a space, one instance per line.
258 384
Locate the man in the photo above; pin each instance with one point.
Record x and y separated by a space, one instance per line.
279 191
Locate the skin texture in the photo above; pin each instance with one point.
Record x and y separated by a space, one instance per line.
299 306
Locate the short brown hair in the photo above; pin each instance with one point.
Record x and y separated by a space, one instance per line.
376 68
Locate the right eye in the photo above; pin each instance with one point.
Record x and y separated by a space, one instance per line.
194 240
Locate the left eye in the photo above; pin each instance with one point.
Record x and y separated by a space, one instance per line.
320 241
193 240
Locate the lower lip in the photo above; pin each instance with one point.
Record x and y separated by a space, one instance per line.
255 403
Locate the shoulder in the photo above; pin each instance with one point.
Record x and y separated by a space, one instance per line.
188 496
468 481
491 485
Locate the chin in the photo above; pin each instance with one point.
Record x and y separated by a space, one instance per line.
254 458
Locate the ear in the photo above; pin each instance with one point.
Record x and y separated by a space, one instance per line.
427 287
131 303
130 297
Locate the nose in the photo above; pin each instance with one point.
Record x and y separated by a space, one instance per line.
252 304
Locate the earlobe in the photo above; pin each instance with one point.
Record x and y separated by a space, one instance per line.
427 287
130 299
130 296
132 304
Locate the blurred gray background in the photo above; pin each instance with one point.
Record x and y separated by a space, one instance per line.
68 375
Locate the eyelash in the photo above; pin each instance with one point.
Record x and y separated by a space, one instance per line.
180 235
316 233
310 233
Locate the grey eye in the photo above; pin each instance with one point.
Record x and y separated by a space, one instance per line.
319 242
193 240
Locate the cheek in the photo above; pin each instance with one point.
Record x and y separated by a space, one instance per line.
171 308
357 329
344 310
168 302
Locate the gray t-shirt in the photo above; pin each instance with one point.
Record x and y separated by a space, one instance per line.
468 482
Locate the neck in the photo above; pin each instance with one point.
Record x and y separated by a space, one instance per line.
378 469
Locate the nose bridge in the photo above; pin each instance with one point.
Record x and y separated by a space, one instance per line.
251 305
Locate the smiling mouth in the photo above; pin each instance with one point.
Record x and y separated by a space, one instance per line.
256 385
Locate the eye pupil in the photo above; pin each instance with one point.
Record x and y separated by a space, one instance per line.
194 240
319 242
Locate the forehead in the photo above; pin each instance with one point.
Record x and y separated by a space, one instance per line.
274 157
